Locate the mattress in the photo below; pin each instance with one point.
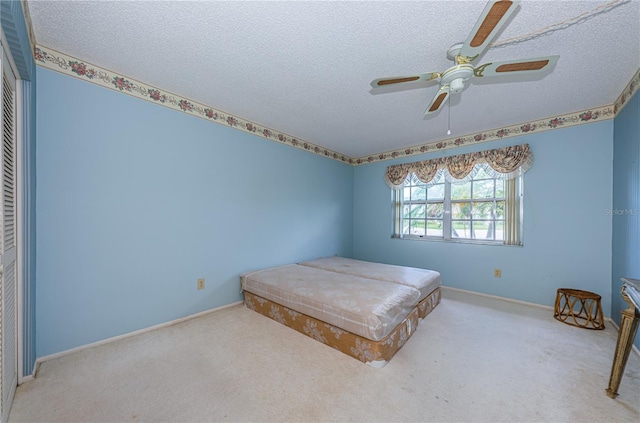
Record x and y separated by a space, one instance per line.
426 281
365 307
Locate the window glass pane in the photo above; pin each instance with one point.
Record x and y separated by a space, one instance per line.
434 228
436 192
500 230
483 210
417 227
482 175
461 191
499 188
406 194
405 212
499 209
477 209
482 229
417 210
418 193
460 229
461 210
435 210
483 189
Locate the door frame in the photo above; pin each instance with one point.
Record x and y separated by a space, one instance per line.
19 228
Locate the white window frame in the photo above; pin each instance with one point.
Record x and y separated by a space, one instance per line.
447 220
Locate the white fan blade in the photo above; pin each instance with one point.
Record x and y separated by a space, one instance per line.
438 100
537 64
492 19
381 82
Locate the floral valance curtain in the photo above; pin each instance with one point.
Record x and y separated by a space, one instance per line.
502 163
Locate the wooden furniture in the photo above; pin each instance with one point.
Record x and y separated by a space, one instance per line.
579 308
628 328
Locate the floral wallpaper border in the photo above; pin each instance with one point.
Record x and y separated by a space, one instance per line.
71 66
563 121
627 93
68 65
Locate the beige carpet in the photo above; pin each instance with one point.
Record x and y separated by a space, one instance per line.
474 359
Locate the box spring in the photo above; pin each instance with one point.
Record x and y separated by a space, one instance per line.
373 353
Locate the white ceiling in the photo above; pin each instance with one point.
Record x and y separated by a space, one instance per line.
304 68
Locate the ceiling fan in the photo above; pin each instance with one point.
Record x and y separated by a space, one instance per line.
453 80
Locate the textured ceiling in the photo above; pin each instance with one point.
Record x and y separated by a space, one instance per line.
304 68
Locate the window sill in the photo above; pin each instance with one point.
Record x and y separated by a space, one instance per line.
456 241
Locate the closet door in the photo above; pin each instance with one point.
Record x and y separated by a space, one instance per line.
8 311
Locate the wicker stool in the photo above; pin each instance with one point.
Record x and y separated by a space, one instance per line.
589 310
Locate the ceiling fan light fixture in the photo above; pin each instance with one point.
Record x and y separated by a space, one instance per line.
456 85
456 76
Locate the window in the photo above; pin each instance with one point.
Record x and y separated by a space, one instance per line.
475 197
471 210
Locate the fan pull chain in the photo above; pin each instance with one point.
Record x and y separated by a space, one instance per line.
449 119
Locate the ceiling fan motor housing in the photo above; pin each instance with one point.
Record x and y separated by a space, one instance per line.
456 76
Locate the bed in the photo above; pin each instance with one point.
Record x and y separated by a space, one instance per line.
367 318
426 281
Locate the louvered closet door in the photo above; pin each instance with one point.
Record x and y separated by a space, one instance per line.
8 314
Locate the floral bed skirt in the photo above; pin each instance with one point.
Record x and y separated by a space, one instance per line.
373 353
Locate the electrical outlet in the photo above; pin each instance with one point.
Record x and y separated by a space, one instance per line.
497 273
201 283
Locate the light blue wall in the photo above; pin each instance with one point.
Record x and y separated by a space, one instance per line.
567 233
626 202
135 202
15 31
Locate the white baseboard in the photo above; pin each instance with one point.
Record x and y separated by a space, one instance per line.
496 297
26 379
511 300
41 360
32 376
